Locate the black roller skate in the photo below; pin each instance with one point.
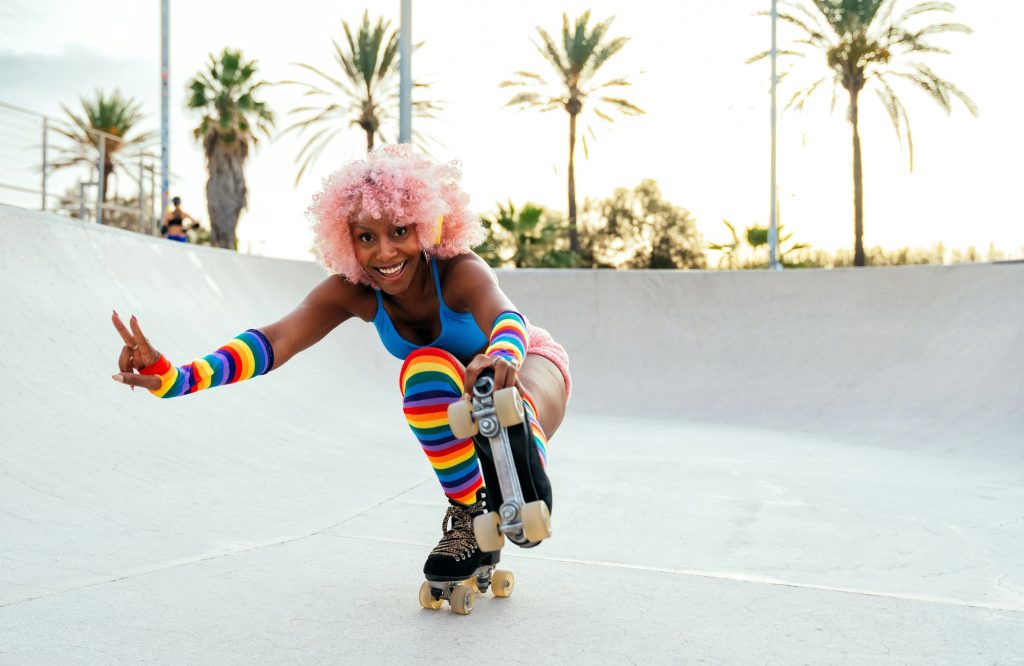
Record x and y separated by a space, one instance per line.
456 570
519 491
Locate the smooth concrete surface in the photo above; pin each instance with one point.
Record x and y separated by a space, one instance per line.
819 467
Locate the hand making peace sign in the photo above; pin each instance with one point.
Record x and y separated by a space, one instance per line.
136 354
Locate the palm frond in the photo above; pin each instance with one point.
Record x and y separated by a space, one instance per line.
528 99
801 97
764 54
924 8
601 56
624 106
813 33
899 116
551 53
614 83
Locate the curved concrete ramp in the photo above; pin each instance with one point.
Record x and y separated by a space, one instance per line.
805 467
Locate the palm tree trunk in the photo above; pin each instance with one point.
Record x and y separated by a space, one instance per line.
369 140
226 192
574 236
858 188
107 170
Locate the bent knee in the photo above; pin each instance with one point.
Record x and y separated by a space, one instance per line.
545 385
432 366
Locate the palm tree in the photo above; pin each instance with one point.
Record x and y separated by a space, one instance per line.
365 94
863 43
113 115
231 118
527 238
576 61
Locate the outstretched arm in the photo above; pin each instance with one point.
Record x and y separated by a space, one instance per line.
251 353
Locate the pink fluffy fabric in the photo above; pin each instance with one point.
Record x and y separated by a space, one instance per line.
402 186
542 344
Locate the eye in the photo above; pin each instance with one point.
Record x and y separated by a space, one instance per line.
365 238
400 231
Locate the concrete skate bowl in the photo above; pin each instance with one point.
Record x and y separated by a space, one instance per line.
821 466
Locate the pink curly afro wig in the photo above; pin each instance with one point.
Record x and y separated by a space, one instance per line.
396 183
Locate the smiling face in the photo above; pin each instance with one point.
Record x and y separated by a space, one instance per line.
389 254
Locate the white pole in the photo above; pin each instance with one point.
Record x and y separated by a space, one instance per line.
405 73
101 191
773 229
165 103
46 166
143 226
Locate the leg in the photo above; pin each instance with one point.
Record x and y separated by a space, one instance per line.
431 380
544 384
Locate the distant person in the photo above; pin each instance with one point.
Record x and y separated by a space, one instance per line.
173 226
397 233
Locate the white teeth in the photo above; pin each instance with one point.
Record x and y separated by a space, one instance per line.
392 270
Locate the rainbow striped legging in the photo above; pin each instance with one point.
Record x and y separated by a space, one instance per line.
431 380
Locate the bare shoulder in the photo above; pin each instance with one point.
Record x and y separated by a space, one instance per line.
464 277
470 285
469 267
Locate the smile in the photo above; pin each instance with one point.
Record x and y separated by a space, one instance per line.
390 272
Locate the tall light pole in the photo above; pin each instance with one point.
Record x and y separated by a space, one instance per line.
165 103
773 227
405 74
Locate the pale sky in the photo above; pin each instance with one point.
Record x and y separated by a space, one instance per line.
705 137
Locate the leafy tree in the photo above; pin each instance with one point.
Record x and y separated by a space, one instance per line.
640 229
113 114
365 94
576 60
225 95
737 255
527 238
864 42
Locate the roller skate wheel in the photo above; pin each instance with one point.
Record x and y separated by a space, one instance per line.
502 583
427 600
509 406
485 529
463 599
536 521
460 419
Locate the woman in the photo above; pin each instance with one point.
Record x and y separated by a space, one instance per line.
173 226
397 235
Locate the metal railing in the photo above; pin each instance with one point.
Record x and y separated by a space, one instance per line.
43 167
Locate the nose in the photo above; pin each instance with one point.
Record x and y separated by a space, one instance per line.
386 249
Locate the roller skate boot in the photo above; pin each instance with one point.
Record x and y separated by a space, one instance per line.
519 491
457 570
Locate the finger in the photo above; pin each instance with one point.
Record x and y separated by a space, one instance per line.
124 361
507 371
499 374
145 352
149 382
126 335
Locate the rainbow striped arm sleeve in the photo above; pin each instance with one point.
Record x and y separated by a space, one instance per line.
509 338
248 355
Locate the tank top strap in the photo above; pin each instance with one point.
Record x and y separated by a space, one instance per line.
437 280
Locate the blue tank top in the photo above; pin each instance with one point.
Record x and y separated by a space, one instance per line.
460 334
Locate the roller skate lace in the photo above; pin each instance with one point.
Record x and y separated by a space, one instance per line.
458 541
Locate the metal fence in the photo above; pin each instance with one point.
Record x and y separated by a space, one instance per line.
43 167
